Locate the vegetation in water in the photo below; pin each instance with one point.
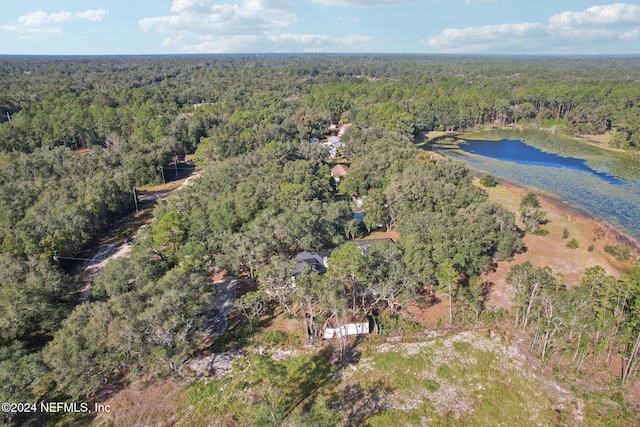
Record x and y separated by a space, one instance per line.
620 164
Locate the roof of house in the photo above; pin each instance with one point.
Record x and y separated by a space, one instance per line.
339 171
316 260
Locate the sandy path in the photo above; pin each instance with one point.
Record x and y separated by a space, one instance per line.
106 253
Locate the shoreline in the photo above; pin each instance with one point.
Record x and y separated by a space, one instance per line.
572 209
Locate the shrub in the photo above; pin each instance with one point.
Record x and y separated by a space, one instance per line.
572 244
591 248
430 385
620 252
565 234
275 337
488 181
394 324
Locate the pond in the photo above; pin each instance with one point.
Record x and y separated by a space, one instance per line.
518 152
572 179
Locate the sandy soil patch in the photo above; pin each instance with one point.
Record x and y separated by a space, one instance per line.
552 250
390 234
429 315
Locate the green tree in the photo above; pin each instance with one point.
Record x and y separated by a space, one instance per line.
170 231
252 305
448 278
531 214
529 283
347 264
388 278
276 278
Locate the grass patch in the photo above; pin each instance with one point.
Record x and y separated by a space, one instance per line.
462 347
393 418
444 372
400 372
262 391
446 380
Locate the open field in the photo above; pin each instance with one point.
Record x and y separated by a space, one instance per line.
551 250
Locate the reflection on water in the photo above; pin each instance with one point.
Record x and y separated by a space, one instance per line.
605 196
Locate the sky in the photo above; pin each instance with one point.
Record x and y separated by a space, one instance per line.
123 27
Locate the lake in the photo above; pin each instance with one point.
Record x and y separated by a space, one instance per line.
572 179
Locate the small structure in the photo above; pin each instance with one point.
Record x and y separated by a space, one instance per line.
335 141
339 171
359 328
319 261
314 140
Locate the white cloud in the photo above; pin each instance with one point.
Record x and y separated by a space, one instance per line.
60 17
276 43
360 3
40 18
484 37
630 35
40 24
203 16
204 26
93 15
609 14
597 25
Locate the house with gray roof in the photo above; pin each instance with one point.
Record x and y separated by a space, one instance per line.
318 261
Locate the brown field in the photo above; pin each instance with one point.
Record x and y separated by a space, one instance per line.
551 250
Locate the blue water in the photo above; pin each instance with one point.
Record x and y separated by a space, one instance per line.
510 150
571 179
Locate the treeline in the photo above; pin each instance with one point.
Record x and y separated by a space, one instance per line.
583 326
53 201
84 102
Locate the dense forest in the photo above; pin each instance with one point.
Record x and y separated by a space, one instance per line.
78 134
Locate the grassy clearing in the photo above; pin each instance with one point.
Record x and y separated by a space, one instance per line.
462 378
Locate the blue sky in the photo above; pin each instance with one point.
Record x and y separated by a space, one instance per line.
392 26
